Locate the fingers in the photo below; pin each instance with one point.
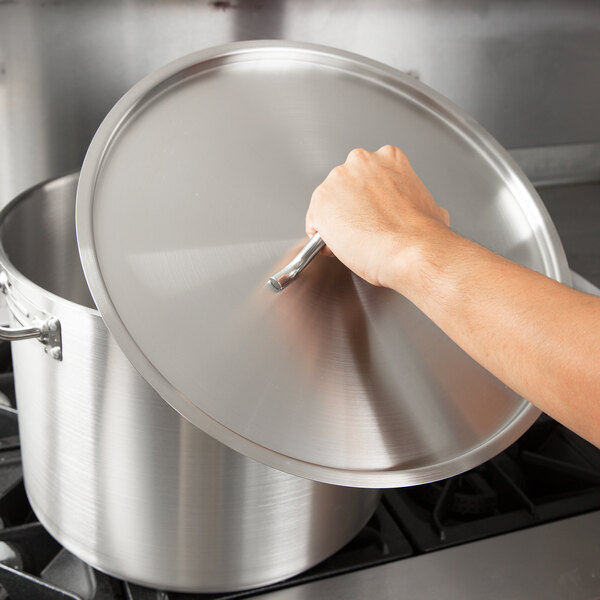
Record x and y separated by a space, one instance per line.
310 224
366 184
359 157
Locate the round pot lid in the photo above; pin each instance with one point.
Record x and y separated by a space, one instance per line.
194 191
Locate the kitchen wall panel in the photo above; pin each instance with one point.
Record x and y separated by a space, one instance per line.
528 71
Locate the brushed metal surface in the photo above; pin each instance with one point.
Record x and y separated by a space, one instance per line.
556 561
528 76
189 198
115 474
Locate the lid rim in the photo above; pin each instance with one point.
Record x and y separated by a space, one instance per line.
132 101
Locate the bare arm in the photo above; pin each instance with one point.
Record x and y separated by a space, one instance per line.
538 336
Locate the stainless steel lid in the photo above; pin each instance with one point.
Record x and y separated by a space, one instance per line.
194 191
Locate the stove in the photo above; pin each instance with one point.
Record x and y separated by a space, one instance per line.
549 474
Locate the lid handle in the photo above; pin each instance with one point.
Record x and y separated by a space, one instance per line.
280 280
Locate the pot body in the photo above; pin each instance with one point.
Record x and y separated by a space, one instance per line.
114 473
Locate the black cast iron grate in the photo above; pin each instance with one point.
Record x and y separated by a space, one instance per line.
549 473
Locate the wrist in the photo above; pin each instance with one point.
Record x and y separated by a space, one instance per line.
419 264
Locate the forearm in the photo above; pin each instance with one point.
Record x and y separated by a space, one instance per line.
539 337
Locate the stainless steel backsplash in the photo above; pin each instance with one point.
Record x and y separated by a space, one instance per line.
527 71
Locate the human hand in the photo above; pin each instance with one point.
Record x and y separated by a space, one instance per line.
373 212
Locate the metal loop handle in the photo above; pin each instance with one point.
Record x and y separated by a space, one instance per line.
20 333
38 325
280 280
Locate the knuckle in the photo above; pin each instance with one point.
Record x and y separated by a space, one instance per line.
358 154
337 171
392 152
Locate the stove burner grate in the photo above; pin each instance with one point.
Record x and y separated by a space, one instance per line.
549 473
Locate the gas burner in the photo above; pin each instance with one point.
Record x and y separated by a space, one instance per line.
470 496
549 473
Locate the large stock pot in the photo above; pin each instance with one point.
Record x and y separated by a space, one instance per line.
112 471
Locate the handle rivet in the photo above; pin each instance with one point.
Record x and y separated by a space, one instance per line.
55 352
52 324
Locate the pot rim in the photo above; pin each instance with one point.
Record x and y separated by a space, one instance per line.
34 293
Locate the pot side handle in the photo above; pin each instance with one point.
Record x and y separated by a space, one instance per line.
45 328
20 333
